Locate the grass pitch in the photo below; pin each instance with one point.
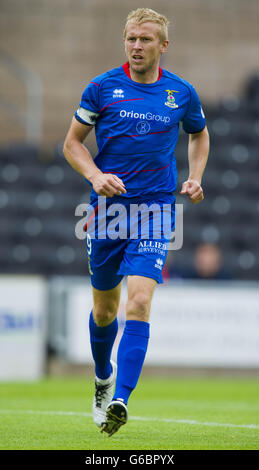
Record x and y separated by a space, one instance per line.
166 414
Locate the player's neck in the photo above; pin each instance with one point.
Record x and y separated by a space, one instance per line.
150 76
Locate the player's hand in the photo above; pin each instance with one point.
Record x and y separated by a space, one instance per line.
108 185
194 191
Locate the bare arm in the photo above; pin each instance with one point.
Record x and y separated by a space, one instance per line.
79 157
198 151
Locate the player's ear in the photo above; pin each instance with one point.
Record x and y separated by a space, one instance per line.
125 49
164 46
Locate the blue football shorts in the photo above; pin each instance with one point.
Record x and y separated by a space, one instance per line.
128 236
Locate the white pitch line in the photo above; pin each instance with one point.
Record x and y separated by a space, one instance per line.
198 423
138 418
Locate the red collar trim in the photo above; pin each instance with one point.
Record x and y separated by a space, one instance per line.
126 69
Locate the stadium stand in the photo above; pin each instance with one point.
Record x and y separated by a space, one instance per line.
39 193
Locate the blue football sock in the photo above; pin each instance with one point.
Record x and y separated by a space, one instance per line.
130 358
102 339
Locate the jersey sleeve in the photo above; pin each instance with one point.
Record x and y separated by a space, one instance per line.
88 111
194 118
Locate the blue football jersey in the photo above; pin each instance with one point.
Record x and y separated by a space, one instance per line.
137 126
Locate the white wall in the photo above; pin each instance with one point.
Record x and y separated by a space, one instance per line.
192 323
23 304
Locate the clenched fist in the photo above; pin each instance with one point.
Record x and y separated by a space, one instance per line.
194 191
108 185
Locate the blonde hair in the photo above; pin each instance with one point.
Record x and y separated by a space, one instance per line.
143 15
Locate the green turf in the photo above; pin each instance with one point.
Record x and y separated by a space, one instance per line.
26 421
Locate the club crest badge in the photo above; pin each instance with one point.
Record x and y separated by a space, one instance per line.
171 99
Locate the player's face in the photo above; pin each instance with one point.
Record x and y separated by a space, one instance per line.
143 46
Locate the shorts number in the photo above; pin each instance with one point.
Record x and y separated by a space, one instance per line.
88 244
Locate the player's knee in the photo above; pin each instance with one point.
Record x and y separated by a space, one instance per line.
104 315
138 307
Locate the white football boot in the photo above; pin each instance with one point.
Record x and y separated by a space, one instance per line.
103 395
116 416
